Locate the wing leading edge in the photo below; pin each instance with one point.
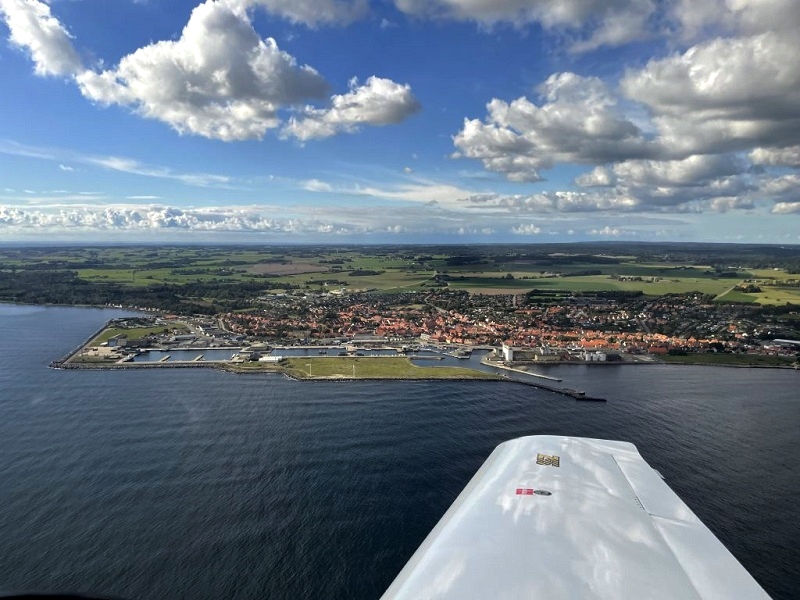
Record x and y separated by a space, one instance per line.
564 517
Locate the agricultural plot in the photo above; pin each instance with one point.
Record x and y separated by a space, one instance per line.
591 283
777 295
201 278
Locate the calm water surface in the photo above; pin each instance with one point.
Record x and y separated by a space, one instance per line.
203 484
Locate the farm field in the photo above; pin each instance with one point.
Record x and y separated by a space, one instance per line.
199 278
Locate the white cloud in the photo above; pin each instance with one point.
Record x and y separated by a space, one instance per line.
693 171
597 177
218 80
722 205
609 231
139 218
734 16
595 22
578 120
35 29
786 208
564 201
312 13
13 148
115 163
438 194
315 185
378 102
780 157
527 229
134 167
725 95
702 129
781 188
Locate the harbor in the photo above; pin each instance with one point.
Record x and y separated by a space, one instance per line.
129 345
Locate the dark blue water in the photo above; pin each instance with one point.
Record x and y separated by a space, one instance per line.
204 484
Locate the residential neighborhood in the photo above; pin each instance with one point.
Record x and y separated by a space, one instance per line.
593 323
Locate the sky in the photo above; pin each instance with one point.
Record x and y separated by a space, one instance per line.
399 121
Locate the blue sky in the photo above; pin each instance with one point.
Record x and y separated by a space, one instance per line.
395 121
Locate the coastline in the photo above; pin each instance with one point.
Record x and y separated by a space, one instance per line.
711 360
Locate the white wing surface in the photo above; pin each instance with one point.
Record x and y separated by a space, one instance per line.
564 517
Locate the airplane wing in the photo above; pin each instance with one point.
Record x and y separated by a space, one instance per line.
565 517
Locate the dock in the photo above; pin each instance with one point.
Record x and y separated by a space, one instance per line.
569 392
572 393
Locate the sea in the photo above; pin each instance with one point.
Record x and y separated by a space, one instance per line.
200 484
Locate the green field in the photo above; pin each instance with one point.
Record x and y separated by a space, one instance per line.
734 295
591 283
777 295
134 333
397 270
374 368
202 276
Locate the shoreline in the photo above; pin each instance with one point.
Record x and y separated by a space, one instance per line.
68 361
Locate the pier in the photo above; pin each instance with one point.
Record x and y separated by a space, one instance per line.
569 392
572 393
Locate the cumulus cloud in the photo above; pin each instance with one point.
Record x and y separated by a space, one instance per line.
597 177
609 231
725 95
565 201
702 129
776 157
312 13
67 219
717 183
527 229
595 22
146 218
781 188
693 171
578 120
378 102
35 29
734 16
219 79
722 205
786 208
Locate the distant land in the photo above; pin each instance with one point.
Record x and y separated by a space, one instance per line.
588 302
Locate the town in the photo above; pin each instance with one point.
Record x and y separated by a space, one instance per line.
526 328
584 303
590 327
